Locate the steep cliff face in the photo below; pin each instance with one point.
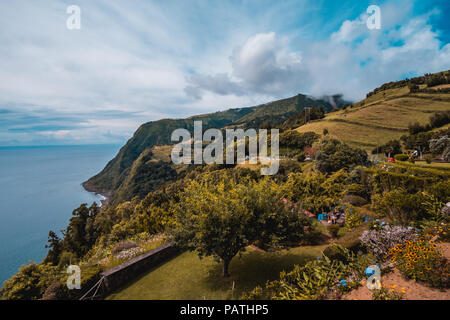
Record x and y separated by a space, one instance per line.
120 177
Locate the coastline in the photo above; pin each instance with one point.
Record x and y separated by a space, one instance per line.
106 194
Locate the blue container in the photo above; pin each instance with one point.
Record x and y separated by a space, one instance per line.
370 271
343 282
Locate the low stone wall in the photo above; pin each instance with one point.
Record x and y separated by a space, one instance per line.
127 271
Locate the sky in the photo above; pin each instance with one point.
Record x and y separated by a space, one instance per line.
136 61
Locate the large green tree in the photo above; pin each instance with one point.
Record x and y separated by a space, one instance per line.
220 218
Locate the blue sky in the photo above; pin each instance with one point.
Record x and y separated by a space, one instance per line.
138 61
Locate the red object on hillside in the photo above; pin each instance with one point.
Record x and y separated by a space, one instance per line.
391 160
309 214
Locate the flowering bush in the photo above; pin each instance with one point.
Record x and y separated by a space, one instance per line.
418 259
439 231
386 294
380 241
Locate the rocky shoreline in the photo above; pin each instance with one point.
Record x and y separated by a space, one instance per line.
106 194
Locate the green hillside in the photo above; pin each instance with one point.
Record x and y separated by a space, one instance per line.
381 117
155 133
384 115
279 111
116 175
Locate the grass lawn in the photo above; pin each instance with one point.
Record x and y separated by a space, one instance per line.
188 277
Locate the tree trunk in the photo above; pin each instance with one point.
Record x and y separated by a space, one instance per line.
225 265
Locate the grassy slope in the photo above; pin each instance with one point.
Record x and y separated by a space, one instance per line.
158 133
188 277
380 118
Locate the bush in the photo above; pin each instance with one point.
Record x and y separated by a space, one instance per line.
428 158
380 241
419 260
30 282
392 147
334 230
350 240
317 279
335 155
386 294
401 157
431 229
353 219
400 206
354 200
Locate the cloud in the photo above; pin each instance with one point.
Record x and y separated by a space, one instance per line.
352 61
139 61
264 64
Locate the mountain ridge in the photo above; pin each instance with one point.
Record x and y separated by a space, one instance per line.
157 133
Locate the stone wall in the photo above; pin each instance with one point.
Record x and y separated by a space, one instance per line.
128 271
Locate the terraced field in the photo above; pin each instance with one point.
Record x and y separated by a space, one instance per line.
380 118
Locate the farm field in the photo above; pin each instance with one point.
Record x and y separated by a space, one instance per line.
380 118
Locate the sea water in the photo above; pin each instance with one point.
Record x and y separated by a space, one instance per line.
39 189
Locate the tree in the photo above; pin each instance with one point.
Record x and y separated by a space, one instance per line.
81 233
54 244
221 218
294 139
441 145
392 148
335 155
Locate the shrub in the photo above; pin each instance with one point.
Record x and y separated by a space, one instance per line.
392 147
335 155
418 259
386 294
334 230
353 219
317 279
350 240
30 282
401 157
400 206
380 241
354 200
428 158
432 229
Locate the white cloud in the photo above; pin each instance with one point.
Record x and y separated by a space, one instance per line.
152 60
263 65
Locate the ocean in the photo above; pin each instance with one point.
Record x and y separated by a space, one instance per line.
39 189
